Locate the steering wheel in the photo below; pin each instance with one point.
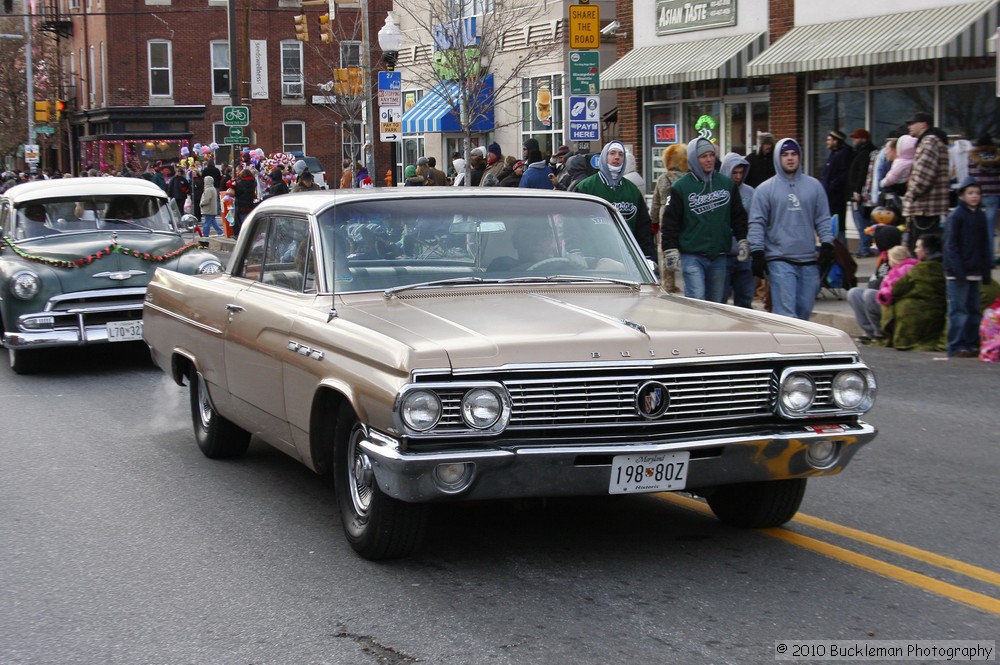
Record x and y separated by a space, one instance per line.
554 260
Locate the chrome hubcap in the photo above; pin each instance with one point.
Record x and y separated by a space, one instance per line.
361 477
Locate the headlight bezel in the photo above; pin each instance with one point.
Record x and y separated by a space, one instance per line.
456 398
825 402
408 405
25 279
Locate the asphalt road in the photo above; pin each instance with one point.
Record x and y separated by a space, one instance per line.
121 544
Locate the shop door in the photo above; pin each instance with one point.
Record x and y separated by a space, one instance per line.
744 119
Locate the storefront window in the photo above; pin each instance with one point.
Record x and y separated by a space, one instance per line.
969 110
918 71
833 110
663 128
747 86
663 93
891 108
702 89
838 78
542 111
702 119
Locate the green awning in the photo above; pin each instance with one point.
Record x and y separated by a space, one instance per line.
956 31
698 60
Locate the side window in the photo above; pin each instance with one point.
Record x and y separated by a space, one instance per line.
287 261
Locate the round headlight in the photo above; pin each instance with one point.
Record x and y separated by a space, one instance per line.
421 410
849 389
797 392
25 285
481 408
210 267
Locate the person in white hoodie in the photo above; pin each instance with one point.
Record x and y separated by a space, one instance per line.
740 281
210 207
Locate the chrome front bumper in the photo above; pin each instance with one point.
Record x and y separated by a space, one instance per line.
517 471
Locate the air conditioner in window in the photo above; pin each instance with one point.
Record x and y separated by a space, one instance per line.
291 89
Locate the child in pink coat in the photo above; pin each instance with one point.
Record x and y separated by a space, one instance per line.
901 262
899 172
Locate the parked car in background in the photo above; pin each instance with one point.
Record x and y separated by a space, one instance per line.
424 344
75 258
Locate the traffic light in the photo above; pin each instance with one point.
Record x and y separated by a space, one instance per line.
325 29
301 28
43 111
59 108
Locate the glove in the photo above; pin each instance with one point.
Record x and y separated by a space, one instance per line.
759 265
743 251
825 254
672 259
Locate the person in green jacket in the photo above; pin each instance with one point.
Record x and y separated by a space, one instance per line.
610 184
703 214
916 320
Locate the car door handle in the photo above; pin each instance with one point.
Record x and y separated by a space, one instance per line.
234 308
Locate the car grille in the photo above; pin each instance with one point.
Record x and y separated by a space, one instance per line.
95 308
609 400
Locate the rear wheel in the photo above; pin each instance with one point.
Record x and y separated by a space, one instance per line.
21 361
757 505
217 437
376 525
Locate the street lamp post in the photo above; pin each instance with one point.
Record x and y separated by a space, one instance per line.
390 38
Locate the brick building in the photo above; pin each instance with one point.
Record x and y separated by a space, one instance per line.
144 79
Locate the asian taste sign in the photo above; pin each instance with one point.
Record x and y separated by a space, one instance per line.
686 15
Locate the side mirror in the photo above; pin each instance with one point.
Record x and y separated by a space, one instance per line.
189 222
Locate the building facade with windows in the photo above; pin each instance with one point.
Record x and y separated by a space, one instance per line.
145 78
800 68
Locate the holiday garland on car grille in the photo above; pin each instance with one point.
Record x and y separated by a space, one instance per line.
113 248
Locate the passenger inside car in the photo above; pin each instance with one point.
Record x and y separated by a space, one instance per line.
533 241
31 221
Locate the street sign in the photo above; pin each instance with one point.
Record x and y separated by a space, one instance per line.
390 81
585 118
45 130
390 97
584 26
236 116
236 140
237 132
584 72
390 124
31 154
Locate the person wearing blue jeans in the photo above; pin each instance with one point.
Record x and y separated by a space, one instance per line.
210 207
966 266
703 215
789 211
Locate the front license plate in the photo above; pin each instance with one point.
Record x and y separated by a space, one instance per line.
124 331
655 472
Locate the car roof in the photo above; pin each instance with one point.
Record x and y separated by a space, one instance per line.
314 202
39 190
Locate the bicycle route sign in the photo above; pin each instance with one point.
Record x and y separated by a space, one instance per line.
236 116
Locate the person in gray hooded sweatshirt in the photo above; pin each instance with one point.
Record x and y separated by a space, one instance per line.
703 214
739 278
789 211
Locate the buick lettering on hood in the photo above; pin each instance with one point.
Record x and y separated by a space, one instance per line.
448 345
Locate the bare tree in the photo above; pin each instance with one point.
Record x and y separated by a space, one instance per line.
14 104
497 46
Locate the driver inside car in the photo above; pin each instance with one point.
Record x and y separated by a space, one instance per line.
32 221
533 241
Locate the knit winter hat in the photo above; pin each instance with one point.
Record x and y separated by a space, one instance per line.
837 134
704 145
495 149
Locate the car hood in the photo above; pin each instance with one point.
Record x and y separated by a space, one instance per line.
493 327
114 270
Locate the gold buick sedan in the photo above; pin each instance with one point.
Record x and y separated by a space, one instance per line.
443 344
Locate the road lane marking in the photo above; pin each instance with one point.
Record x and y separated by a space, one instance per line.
898 573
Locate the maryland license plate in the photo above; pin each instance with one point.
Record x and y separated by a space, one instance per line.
124 331
651 472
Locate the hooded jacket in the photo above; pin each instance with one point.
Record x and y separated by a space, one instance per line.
729 162
459 165
619 191
536 176
966 255
209 203
788 213
906 147
704 212
675 162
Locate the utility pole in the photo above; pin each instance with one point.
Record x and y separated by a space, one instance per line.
29 68
366 66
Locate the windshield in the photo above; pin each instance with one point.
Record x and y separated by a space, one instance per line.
88 213
391 243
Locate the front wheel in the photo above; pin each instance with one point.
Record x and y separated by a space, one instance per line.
217 437
376 525
21 361
757 505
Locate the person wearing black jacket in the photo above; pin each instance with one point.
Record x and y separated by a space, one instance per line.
834 178
857 174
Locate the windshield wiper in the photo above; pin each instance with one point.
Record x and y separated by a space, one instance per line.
388 293
570 278
126 221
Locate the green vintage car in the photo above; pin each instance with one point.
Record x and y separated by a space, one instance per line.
75 258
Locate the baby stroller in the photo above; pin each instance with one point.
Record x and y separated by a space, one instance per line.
836 278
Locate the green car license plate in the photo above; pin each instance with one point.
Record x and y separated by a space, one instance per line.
124 331
649 472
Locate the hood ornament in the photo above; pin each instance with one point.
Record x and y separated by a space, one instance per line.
120 275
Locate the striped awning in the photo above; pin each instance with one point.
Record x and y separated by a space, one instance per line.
955 31
437 111
700 60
